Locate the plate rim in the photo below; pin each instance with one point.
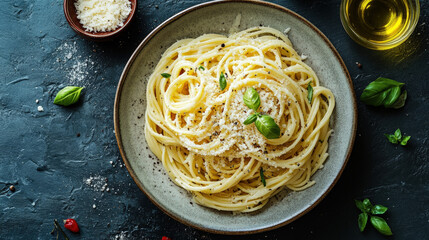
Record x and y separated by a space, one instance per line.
176 17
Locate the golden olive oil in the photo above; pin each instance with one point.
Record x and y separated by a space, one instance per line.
378 21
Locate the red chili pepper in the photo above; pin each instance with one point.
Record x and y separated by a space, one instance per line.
71 225
165 238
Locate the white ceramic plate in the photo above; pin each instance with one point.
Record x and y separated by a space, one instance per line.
218 17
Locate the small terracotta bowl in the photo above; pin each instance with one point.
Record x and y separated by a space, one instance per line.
71 16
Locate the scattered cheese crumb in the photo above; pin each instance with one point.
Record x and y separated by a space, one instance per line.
287 30
93 206
40 108
37 100
102 15
303 57
98 183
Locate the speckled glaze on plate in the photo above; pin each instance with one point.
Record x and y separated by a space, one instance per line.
218 17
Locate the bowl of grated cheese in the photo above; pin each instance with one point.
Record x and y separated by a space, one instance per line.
99 20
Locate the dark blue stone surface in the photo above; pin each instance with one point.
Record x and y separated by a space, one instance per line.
58 174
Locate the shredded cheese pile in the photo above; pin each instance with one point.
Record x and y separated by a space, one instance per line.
102 15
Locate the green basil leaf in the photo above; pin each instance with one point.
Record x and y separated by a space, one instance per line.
222 81
392 97
359 204
309 92
251 98
404 140
367 205
398 134
362 220
68 95
251 119
261 172
382 91
391 138
378 209
400 102
201 68
165 75
381 225
268 127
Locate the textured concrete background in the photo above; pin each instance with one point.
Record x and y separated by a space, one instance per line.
64 162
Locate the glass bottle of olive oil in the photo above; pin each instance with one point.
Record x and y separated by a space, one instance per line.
378 21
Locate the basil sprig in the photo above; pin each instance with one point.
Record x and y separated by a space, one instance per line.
201 68
264 123
309 92
261 172
386 92
368 210
397 138
68 95
222 81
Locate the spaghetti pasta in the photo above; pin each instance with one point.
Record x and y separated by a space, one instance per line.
197 131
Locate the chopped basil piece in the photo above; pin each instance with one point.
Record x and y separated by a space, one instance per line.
310 92
261 172
222 81
165 75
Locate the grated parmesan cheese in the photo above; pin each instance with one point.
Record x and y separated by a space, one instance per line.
286 31
102 15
